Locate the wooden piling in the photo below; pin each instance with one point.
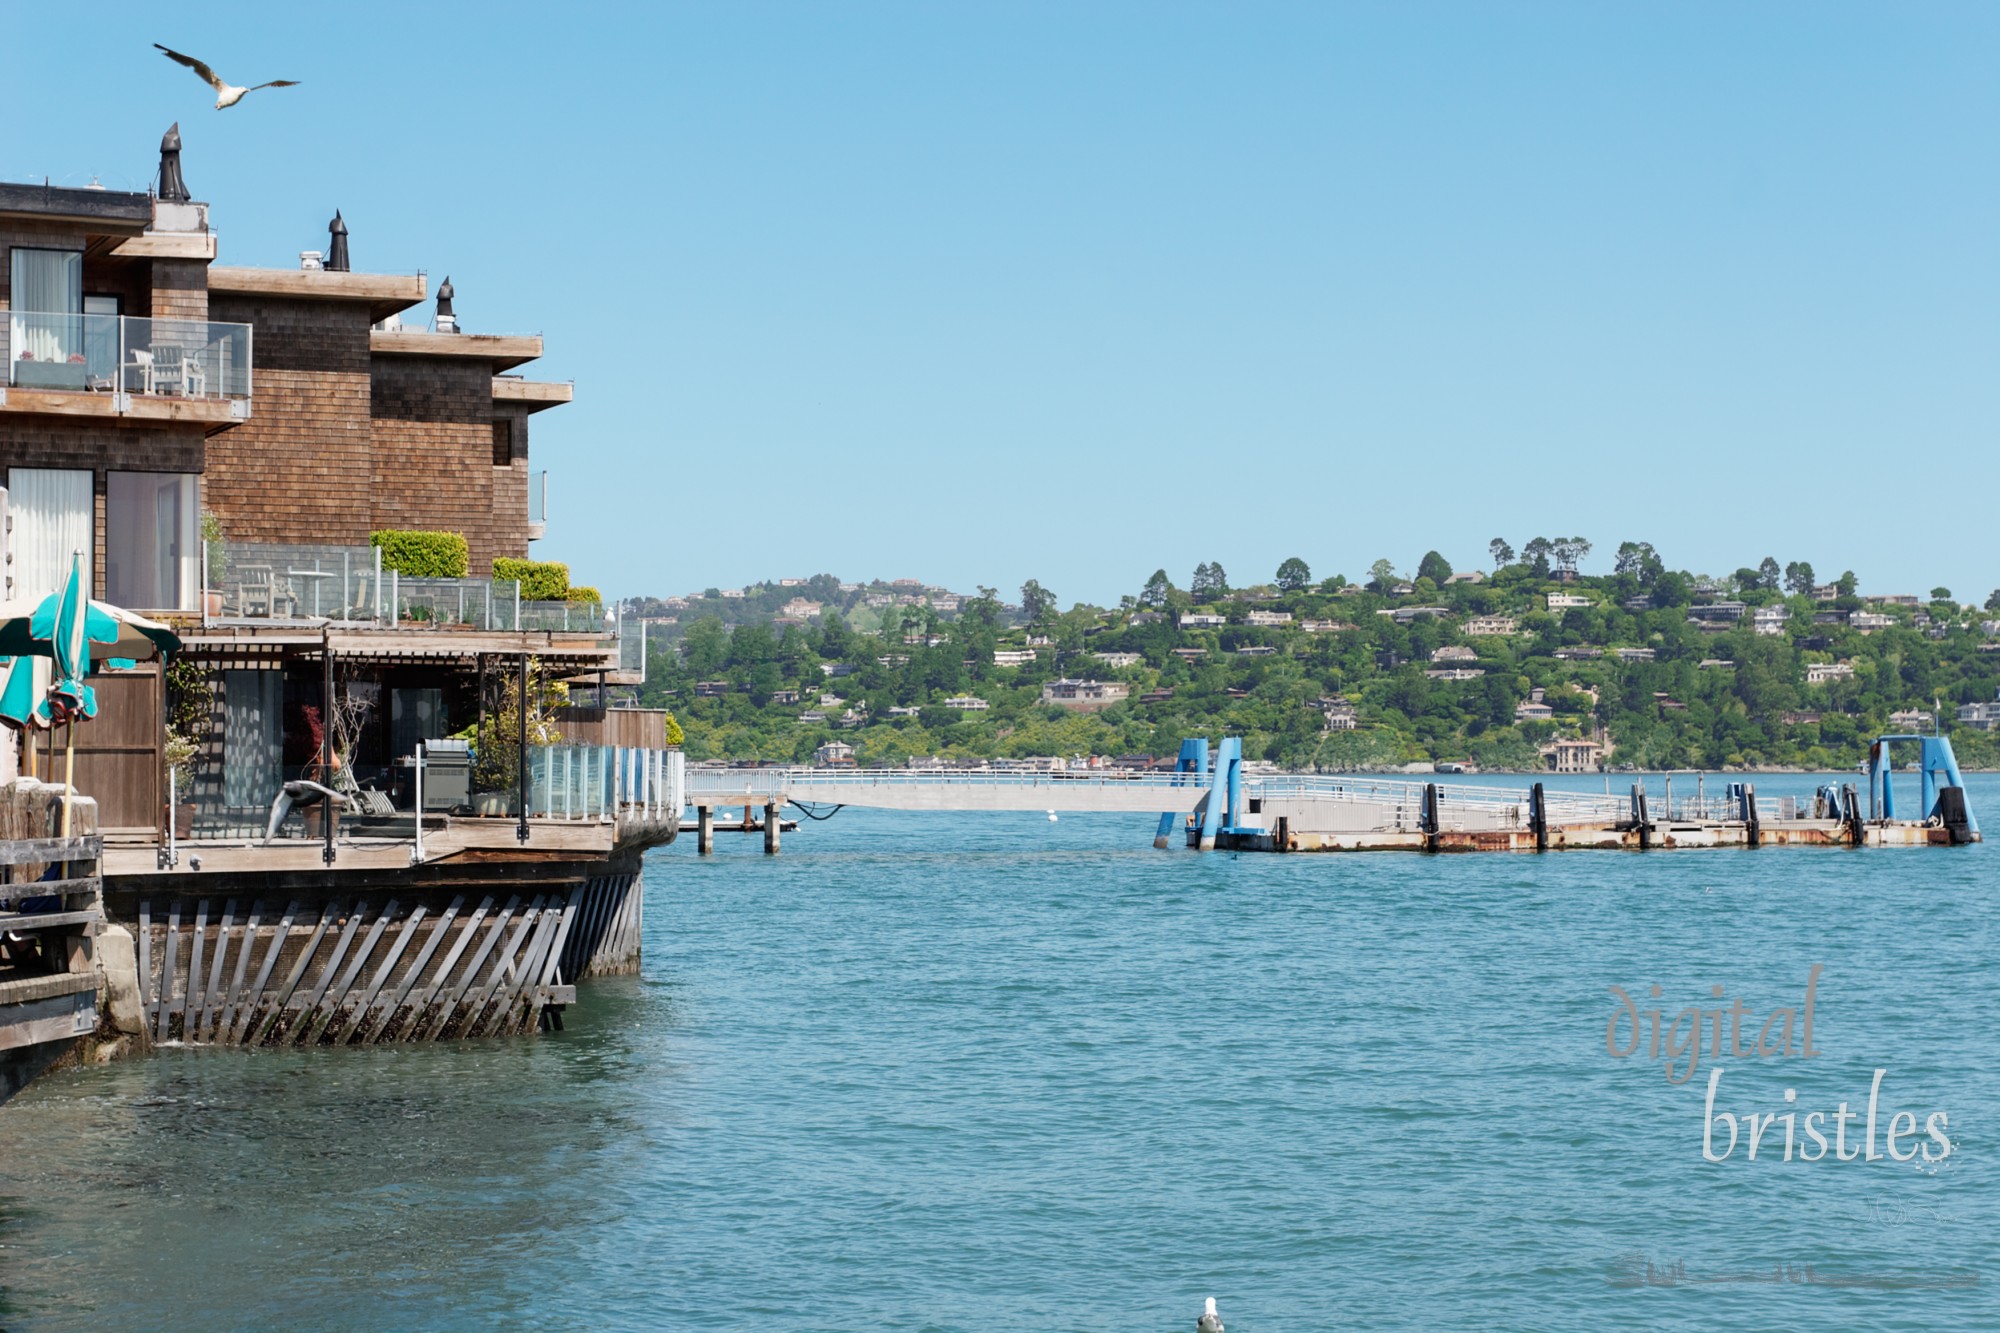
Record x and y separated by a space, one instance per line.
704 829
771 829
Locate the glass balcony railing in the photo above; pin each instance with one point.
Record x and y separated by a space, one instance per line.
125 354
538 497
260 581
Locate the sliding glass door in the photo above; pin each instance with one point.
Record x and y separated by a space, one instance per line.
151 540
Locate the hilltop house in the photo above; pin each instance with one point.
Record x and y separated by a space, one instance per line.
1984 716
1454 652
1202 620
1534 708
1491 626
1564 601
1085 695
1268 618
1819 673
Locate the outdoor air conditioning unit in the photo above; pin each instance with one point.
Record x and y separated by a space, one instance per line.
447 775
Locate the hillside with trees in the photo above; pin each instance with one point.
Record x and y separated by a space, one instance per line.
1766 667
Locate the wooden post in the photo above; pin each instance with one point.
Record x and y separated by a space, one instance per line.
1538 817
704 837
771 829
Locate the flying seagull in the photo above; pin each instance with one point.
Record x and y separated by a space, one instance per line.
226 93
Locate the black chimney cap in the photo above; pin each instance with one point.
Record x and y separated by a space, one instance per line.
173 187
336 250
445 293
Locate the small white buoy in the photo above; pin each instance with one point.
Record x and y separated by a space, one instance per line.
1052 816
1210 1322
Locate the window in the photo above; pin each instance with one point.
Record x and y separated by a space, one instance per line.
152 540
503 444
54 516
100 339
46 296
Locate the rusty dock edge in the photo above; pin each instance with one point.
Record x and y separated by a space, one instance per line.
1663 835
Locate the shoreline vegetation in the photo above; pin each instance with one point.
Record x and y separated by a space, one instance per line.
1766 670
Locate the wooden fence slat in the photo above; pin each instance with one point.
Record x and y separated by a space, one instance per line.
551 960
521 972
387 1013
191 1001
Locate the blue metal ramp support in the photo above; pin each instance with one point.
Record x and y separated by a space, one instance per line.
1193 760
1938 766
1224 791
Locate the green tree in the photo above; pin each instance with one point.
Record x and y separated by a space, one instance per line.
1798 578
1940 594
1210 583
1768 576
1157 588
1037 602
1435 568
1535 555
1847 584
705 647
1993 601
1502 553
1381 574
1294 575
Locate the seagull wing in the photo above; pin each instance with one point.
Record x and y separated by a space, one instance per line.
275 83
207 74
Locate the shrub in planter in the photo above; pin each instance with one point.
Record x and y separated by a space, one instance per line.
580 593
541 580
424 555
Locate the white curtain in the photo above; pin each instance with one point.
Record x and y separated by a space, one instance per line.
54 517
46 294
253 736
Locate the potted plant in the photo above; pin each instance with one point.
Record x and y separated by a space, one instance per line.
190 714
218 562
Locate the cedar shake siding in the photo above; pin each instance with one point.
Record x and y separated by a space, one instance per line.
301 468
433 432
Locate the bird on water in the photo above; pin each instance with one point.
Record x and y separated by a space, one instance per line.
226 94
1210 1321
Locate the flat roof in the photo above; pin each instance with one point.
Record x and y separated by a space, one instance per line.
106 210
385 293
503 351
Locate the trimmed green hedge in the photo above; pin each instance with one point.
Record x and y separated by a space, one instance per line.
424 555
541 580
581 593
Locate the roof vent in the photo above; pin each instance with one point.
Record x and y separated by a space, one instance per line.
311 261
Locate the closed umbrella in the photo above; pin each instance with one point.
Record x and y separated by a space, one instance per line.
69 698
24 695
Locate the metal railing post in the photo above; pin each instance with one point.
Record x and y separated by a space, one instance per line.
417 852
517 606
378 585
204 583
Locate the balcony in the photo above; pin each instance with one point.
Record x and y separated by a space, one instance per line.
122 365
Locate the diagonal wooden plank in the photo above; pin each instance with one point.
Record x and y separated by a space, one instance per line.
256 991
503 969
191 1001
522 971
211 997
147 996
326 1016
274 1017
171 946
456 992
439 930
417 1026
551 960
403 938
307 1011
225 1022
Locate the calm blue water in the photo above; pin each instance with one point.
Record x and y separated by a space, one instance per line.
983 1071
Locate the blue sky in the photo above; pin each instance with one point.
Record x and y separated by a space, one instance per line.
982 292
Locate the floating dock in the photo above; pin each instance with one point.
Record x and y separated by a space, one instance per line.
1220 806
